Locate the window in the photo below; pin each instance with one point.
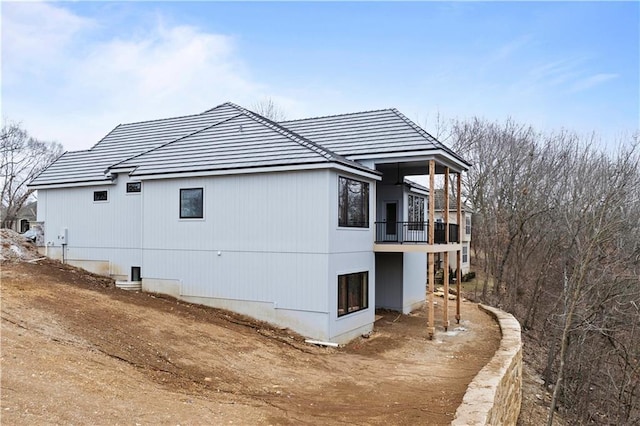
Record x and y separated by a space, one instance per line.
353 203
353 292
416 213
191 203
465 254
135 273
134 187
467 228
100 196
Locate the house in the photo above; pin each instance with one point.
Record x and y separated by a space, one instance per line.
25 216
307 224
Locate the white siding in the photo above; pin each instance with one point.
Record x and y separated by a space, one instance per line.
351 251
97 231
263 238
269 245
415 281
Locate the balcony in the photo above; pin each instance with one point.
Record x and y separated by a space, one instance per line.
414 232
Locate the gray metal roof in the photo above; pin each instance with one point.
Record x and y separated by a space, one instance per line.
231 137
242 141
126 141
367 133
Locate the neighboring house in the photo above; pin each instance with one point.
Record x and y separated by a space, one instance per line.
465 218
307 224
25 216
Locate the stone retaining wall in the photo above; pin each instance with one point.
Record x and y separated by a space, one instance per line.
495 394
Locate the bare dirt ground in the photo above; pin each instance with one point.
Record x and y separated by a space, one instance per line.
77 350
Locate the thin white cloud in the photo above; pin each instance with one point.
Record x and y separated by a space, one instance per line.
87 87
592 81
35 36
507 50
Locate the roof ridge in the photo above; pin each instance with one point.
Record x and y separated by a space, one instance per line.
307 143
415 126
218 106
301 140
338 115
170 118
104 137
427 134
175 140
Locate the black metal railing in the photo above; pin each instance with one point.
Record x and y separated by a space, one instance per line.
414 232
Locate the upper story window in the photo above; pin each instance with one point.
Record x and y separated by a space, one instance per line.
353 203
100 196
191 203
467 228
416 212
133 187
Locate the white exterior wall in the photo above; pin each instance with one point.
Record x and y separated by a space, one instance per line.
351 250
414 281
103 237
261 248
390 193
269 245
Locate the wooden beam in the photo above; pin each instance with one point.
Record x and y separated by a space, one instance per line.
445 302
431 329
458 288
432 200
446 204
445 275
459 252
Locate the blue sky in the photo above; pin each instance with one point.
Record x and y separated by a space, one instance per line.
72 71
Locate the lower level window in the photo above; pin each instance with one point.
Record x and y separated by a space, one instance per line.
465 254
353 292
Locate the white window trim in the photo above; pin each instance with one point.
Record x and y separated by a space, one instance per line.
93 194
369 226
133 193
358 312
192 219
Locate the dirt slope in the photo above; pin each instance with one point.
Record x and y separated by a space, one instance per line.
76 350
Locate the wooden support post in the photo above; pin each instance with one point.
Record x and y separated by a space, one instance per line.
445 302
458 287
431 329
445 275
432 200
446 205
459 252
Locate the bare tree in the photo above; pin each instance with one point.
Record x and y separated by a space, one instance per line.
269 109
601 218
21 159
557 237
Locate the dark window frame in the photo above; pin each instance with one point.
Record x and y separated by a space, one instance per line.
98 196
353 293
199 210
353 215
134 187
416 225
